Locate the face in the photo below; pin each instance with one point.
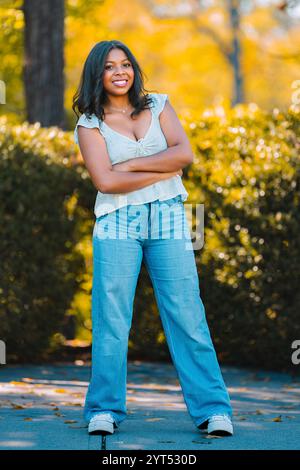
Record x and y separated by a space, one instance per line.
118 73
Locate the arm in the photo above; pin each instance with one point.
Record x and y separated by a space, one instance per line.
123 182
105 179
178 154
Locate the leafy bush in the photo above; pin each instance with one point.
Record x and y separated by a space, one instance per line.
246 172
42 205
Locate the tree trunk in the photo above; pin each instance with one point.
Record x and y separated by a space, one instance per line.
44 61
236 53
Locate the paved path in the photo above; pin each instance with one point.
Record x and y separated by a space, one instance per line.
41 408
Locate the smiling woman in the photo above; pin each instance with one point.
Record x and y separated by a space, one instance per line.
134 148
129 125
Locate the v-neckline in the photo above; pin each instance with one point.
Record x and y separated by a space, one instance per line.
128 138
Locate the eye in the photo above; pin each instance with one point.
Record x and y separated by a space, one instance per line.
128 64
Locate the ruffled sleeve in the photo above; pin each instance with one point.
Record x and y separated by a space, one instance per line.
85 121
159 102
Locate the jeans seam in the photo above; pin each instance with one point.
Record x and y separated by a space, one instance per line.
161 304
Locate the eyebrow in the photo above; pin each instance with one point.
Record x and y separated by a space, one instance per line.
114 62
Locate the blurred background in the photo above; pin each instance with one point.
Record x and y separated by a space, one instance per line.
231 70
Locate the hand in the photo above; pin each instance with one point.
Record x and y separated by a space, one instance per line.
179 172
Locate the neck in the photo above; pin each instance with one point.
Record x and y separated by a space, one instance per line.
117 101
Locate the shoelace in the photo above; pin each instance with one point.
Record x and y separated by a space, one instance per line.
106 416
221 416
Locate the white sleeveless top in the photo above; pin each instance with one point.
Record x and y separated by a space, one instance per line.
121 148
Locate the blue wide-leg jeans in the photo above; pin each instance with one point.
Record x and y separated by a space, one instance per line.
157 233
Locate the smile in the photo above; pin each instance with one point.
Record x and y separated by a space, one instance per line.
120 83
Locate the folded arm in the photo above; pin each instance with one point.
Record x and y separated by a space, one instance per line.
178 154
106 178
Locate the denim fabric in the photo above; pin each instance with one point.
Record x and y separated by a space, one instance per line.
156 233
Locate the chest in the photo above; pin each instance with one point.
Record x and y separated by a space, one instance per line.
135 128
123 147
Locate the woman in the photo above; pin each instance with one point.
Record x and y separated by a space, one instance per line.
119 126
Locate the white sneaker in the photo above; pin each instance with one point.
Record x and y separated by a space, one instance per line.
101 423
220 425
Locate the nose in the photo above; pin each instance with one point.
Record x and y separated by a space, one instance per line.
119 70
119 76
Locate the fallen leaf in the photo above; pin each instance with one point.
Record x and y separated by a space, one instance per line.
70 421
154 419
201 442
69 403
15 406
60 390
277 420
27 419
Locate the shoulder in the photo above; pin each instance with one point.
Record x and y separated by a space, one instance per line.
159 100
89 121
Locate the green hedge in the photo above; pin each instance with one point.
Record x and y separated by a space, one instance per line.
246 173
43 198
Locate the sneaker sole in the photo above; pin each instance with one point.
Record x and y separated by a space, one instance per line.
216 429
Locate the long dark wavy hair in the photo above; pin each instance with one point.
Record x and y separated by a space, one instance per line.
91 95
